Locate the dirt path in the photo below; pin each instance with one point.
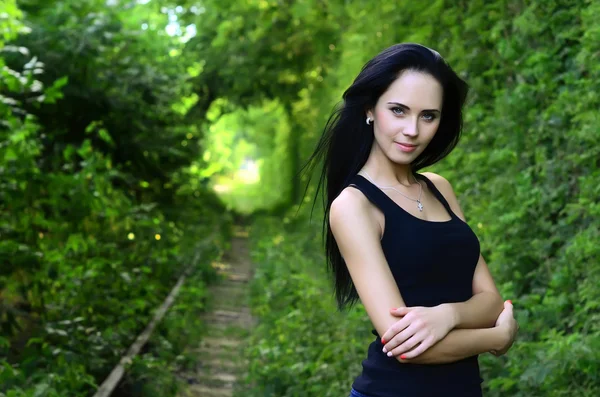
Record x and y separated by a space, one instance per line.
228 321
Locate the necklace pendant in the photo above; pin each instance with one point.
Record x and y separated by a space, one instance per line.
420 206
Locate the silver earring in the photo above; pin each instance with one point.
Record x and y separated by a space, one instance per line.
369 121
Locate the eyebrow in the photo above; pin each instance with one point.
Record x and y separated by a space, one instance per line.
407 108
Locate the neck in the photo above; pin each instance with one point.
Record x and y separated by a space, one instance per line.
385 172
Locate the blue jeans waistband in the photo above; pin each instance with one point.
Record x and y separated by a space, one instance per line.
354 393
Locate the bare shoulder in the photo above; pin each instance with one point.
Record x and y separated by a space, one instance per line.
349 201
440 182
444 186
350 209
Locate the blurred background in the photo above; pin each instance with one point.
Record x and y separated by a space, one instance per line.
134 135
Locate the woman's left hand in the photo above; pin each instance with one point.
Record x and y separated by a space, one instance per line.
419 329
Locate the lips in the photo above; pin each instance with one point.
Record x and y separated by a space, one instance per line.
406 147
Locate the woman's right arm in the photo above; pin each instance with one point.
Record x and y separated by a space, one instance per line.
463 343
358 238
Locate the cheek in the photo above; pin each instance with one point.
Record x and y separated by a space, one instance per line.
385 116
429 129
385 121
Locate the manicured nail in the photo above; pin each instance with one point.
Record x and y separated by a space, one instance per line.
389 354
509 301
384 350
383 341
403 357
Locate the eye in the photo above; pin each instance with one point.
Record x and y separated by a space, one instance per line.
429 117
397 110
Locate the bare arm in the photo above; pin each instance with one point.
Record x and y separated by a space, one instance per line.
463 343
476 314
484 307
479 311
460 344
358 238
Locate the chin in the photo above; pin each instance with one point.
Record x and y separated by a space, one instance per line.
402 160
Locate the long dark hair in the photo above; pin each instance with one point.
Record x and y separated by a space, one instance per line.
346 141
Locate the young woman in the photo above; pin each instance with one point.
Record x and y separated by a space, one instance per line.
397 239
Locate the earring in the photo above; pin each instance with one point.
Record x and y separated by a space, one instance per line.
369 121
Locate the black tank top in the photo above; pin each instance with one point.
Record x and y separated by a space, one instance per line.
432 263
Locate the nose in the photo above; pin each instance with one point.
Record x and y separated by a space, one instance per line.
411 128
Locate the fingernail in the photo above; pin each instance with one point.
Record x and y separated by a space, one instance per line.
384 350
509 301
403 357
383 341
394 308
389 354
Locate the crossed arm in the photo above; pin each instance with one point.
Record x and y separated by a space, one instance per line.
471 327
446 333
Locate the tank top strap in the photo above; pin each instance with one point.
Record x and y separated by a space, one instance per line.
437 194
375 195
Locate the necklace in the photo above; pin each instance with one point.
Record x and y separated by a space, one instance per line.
418 201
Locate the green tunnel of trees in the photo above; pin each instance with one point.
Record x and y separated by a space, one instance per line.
132 130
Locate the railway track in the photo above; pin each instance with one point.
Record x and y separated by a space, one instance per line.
221 365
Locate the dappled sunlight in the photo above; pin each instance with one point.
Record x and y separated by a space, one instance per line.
246 156
249 173
221 188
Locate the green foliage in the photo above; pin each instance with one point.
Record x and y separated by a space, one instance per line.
93 238
246 153
301 345
131 84
253 54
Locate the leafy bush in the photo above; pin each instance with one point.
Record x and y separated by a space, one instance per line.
301 346
91 242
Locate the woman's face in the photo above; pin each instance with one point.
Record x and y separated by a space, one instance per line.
407 116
